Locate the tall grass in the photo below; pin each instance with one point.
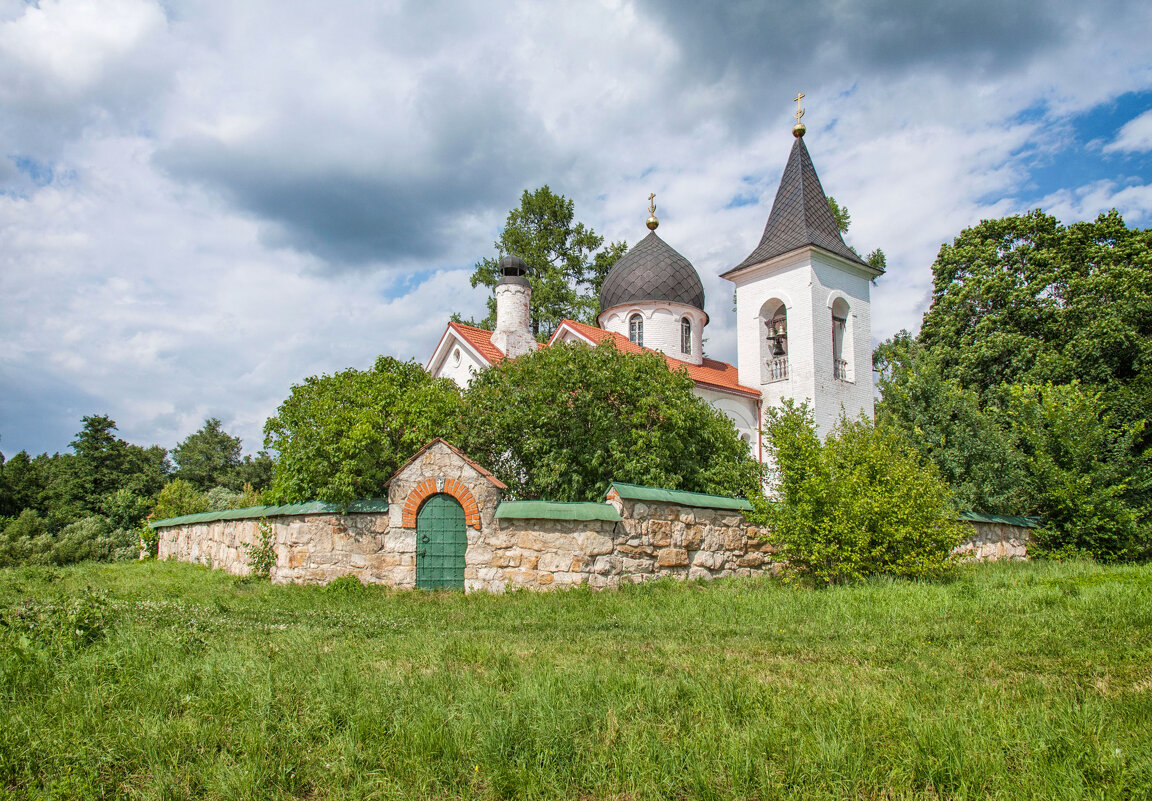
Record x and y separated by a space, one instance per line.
1013 681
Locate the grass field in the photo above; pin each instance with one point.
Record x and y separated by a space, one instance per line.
165 680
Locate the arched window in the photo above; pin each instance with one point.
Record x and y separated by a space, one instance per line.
841 341
686 336
774 342
636 329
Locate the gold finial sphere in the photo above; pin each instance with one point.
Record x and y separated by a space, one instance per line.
653 223
798 129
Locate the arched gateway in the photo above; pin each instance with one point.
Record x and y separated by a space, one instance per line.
441 542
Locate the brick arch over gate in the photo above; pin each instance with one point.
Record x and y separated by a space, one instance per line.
427 488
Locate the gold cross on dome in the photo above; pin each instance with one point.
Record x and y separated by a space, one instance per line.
799 111
652 203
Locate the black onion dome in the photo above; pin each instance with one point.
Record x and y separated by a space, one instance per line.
652 271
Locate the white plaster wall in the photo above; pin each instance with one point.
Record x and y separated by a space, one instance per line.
740 410
513 334
835 397
661 327
458 364
807 281
788 279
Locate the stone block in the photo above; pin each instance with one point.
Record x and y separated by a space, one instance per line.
608 565
692 537
753 559
545 579
704 559
593 544
660 533
554 562
733 539
699 573
671 557
636 565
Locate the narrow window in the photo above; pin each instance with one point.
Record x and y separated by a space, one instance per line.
686 336
636 329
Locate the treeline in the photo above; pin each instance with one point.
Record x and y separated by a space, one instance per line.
1030 382
92 503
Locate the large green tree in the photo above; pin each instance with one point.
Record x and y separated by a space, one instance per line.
563 422
341 437
209 458
566 263
1034 324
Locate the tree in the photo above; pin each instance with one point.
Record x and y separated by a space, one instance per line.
1033 325
209 458
876 258
563 422
860 503
341 437
179 498
566 266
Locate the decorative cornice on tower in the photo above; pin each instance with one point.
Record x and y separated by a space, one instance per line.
800 216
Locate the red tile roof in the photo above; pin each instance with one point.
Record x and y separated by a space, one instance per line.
479 339
713 374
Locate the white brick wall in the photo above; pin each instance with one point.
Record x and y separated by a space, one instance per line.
661 327
807 281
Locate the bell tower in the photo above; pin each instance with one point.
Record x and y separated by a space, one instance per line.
803 317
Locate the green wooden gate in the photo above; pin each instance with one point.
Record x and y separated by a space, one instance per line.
440 544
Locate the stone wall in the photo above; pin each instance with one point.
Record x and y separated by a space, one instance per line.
651 538
994 541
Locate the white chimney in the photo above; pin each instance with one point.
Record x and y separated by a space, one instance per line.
513 334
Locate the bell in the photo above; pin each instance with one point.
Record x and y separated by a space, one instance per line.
777 346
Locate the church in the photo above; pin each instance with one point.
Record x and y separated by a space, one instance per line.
803 324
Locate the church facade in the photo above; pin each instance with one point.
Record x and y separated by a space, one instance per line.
803 315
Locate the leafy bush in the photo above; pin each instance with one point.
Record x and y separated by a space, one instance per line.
22 537
179 498
1082 470
262 556
563 422
27 541
221 498
862 503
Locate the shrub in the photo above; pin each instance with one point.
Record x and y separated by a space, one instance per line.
179 498
862 503
262 556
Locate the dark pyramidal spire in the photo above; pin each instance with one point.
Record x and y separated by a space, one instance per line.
800 214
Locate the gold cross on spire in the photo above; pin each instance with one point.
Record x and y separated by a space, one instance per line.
798 129
652 203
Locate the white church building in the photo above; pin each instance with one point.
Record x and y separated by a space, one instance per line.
802 315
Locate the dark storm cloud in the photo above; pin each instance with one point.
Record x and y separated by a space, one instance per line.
762 39
469 151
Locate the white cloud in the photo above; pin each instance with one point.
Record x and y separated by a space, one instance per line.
228 197
1134 137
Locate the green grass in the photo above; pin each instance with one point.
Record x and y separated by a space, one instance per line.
1012 681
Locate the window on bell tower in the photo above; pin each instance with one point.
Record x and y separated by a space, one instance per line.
686 336
636 329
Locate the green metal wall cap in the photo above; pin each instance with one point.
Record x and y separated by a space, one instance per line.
555 510
1008 520
365 506
635 492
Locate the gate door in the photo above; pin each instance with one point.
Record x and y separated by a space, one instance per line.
440 544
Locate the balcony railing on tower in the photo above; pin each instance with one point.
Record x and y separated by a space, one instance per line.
776 369
840 369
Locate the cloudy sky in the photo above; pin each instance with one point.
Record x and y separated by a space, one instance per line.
202 203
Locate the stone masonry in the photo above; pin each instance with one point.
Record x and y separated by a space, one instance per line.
651 539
